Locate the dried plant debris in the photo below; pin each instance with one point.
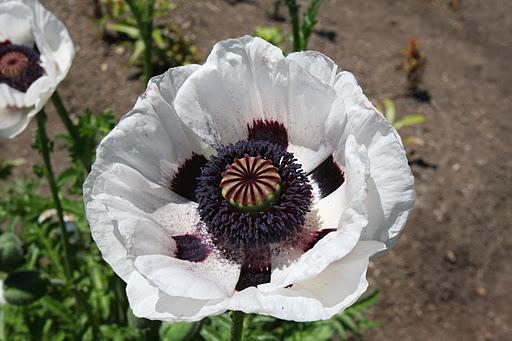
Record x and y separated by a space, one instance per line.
413 65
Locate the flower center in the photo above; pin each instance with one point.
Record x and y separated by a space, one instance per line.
19 66
251 184
251 194
13 64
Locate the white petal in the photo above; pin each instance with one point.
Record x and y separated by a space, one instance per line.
15 20
344 281
342 210
129 167
317 64
37 94
248 79
12 121
319 298
123 208
391 189
121 181
124 232
210 279
52 39
333 290
147 301
105 233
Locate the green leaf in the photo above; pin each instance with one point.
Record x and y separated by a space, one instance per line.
272 34
138 49
349 324
158 38
390 110
24 287
177 331
309 22
57 308
131 31
410 120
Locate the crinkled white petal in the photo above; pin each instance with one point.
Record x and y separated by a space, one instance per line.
210 279
391 185
343 210
247 79
144 241
132 211
118 228
330 292
317 64
147 301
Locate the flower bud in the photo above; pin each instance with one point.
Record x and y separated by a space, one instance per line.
11 252
24 287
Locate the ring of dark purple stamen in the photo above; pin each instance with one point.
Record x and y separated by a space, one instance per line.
28 70
239 230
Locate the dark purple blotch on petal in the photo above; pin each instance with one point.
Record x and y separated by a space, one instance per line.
185 181
329 176
191 247
256 268
268 130
314 238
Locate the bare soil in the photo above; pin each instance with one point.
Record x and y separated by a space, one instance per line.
449 277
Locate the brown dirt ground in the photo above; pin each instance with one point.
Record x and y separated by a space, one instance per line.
449 277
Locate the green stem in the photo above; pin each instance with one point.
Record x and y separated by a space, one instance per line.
44 148
237 325
293 9
72 130
45 152
145 24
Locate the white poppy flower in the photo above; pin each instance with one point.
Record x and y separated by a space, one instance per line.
254 182
35 56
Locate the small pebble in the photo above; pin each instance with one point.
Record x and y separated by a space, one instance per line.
450 257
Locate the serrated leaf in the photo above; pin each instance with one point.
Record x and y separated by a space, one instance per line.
309 21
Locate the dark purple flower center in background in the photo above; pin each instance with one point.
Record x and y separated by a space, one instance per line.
234 229
19 66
